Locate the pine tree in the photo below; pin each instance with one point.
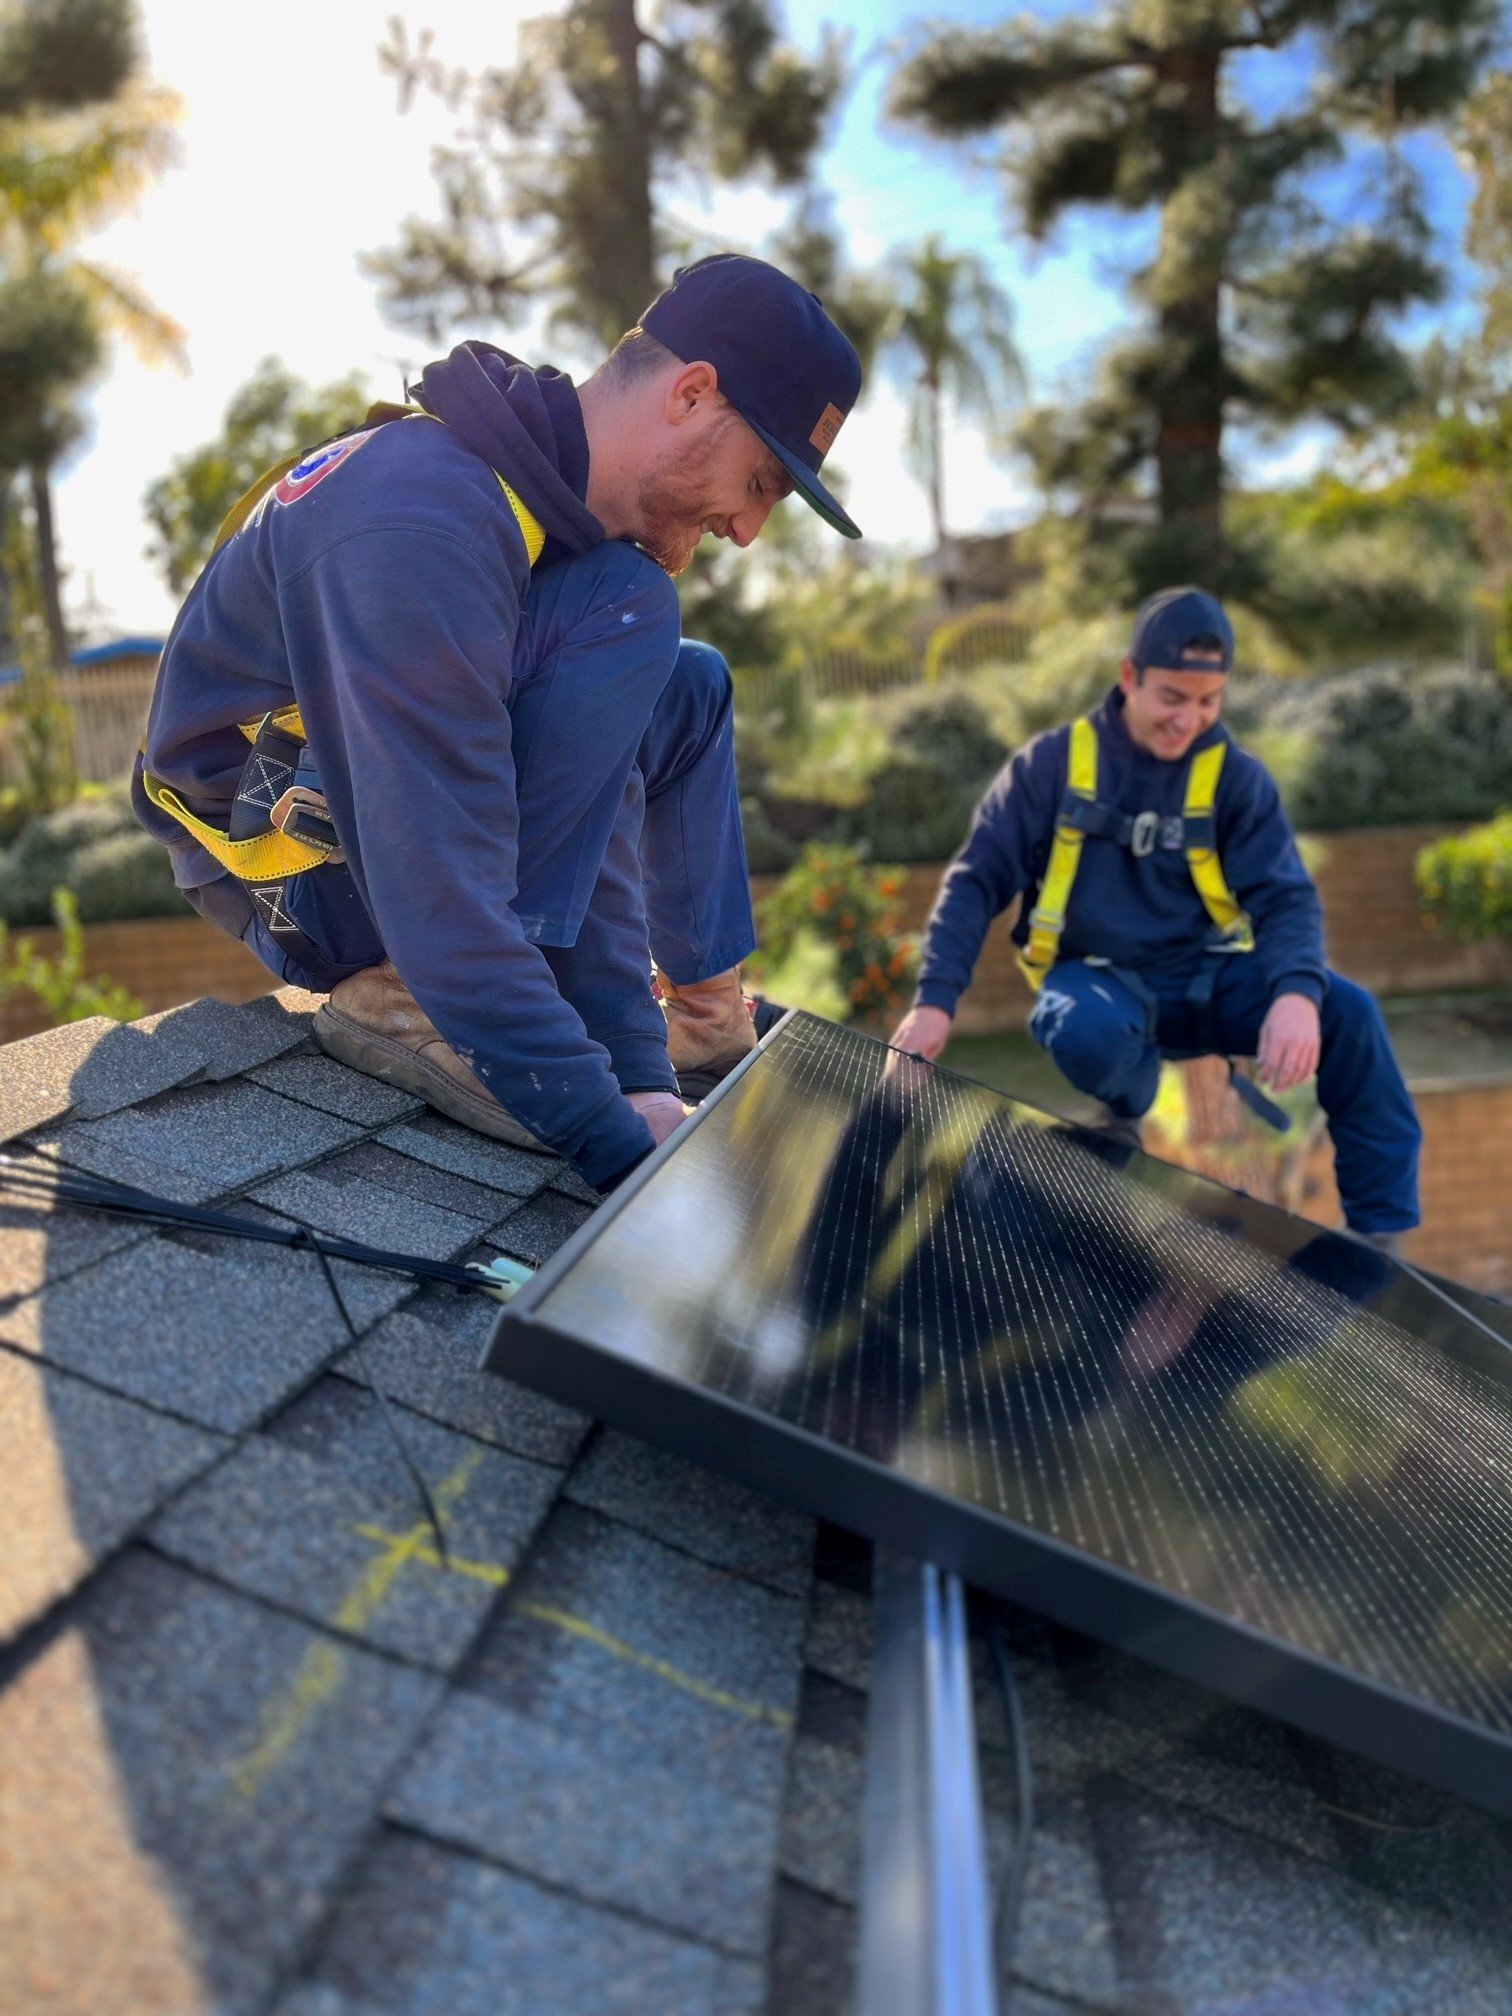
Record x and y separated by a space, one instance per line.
1260 305
557 186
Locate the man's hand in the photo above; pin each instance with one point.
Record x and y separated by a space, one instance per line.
663 1112
923 1031
1290 1042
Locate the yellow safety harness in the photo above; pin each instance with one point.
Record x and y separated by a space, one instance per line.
299 834
1081 815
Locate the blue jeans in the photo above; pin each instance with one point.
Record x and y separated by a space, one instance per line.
630 843
1109 1042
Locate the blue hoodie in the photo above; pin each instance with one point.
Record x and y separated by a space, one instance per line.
384 596
1142 913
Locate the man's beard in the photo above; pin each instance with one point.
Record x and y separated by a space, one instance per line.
673 502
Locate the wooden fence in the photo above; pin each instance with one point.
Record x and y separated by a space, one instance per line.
985 636
108 702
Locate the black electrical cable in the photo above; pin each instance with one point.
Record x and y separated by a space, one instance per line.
311 1244
57 1185
39 1183
1010 1897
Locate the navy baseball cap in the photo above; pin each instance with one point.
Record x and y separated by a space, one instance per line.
1179 623
783 365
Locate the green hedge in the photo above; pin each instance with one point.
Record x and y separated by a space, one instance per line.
95 849
1385 746
941 754
1466 881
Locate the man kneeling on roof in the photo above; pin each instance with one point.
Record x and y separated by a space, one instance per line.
489 783
1167 913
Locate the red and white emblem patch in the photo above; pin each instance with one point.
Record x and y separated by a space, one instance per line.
316 466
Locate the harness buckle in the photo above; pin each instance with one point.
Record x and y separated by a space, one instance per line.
302 814
1144 834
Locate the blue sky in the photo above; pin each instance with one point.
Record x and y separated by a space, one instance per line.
294 159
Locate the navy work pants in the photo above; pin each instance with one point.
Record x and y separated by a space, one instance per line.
1109 1042
648 863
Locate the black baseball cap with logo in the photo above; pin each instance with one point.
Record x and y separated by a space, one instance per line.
783 365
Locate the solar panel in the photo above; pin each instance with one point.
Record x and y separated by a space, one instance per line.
1255 1452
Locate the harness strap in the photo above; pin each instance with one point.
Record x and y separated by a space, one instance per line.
274 856
267 857
1081 814
1233 926
1047 920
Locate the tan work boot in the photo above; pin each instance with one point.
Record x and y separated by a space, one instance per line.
709 1029
374 1024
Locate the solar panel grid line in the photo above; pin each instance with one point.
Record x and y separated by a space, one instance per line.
1132 1550
1125 1391
1134 1553
1404 1565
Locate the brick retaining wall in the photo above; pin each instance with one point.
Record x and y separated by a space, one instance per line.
1466 1174
161 960
1375 932
1375 935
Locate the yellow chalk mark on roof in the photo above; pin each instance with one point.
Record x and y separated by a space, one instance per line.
323 1667
589 1633
674 1676
322 1670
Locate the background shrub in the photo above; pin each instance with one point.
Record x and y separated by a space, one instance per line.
829 937
1382 746
95 849
941 753
1465 881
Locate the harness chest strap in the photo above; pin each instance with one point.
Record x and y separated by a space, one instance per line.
1047 920
275 855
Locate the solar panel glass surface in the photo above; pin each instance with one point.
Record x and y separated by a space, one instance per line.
1258 1452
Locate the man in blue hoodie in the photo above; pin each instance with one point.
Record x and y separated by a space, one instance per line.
1166 911
488 783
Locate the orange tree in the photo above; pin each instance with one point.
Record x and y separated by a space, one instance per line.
831 929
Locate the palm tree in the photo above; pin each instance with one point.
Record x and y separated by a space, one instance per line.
951 342
62 176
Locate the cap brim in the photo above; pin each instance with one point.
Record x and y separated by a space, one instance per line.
807 484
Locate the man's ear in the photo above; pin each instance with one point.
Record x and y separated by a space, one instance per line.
1128 677
695 387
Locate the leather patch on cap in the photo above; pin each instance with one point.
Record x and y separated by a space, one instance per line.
830 421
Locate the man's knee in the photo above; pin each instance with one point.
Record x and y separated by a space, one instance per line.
701 679
693 715
1351 1010
1091 1034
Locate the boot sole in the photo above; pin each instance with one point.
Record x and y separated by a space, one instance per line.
381 1057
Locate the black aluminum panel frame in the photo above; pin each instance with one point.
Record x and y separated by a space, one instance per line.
1097 1597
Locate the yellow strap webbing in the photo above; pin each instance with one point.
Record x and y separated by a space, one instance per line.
1207 870
271 856
288 721
266 857
531 529
1047 920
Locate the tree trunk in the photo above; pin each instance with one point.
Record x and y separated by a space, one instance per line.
1190 399
629 278
47 565
7 598
934 434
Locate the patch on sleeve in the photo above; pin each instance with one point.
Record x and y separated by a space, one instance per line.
316 466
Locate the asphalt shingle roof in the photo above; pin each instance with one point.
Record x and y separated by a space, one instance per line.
262 1754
